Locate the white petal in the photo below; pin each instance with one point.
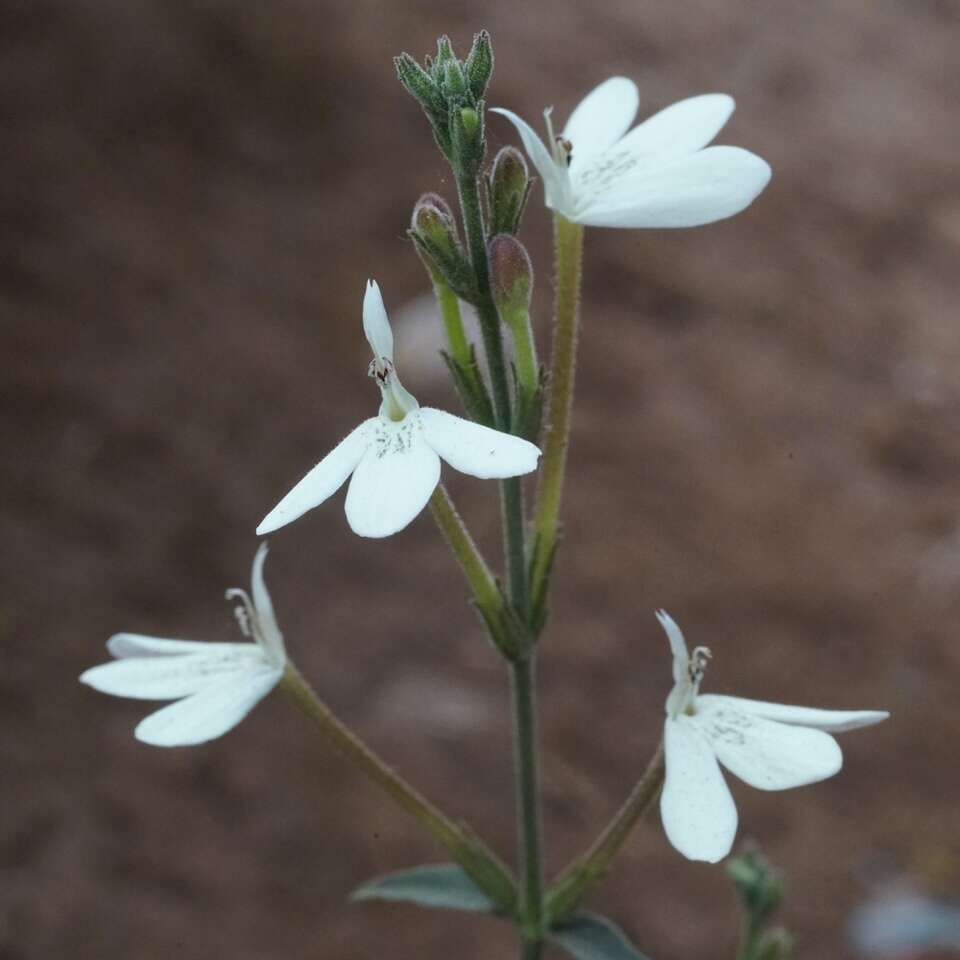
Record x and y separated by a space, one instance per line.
263 605
707 186
832 721
208 714
678 647
601 118
540 157
680 129
475 449
394 480
766 754
698 812
165 678
137 645
376 325
322 481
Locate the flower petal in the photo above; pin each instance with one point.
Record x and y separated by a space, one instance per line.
217 708
376 324
394 480
540 157
601 118
707 186
678 130
322 481
678 647
696 807
766 754
166 678
263 605
138 645
475 449
831 721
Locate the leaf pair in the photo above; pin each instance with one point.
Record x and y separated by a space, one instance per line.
585 936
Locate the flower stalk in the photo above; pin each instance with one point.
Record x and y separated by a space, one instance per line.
589 869
568 257
480 863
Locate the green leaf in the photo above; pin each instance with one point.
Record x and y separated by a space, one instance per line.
433 885
588 936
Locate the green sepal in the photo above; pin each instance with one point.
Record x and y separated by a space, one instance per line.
443 885
479 65
444 55
590 936
450 264
424 88
467 142
454 82
470 387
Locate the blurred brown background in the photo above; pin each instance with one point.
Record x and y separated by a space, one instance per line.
192 195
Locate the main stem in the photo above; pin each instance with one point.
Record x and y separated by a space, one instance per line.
522 677
511 493
568 256
511 500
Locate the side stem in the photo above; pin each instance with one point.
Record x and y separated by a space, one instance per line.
590 868
568 257
468 850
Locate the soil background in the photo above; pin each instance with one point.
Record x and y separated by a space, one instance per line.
192 195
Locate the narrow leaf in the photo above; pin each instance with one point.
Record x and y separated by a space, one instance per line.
589 936
433 885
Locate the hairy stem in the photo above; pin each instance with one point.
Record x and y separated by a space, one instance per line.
590 868
468 850
452 322
568 256
511 493
486 593
523 673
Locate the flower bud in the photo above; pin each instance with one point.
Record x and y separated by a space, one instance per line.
508 185
433 225
511 276
479 65
758 884
470 120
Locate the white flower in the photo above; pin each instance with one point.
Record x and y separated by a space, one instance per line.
215 684
770 746
657 175
395 457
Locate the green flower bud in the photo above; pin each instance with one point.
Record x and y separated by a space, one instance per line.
454 82
479 64
433 225
511 276
471 121
759 886
508 186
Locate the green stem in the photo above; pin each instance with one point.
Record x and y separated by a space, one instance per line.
476 859
525 351
511 494
568 256
452 322
486 593
590 868
528 801
486 309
